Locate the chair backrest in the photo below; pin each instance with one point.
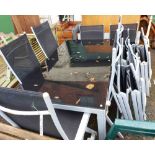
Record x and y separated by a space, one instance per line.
132 32
22 61
29 101
92 34
45 39
47 42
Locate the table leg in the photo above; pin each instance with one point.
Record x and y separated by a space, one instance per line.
101 121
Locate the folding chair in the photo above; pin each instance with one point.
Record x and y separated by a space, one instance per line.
125 78
47 43
133 32
23 63
36 112
129 82
148 56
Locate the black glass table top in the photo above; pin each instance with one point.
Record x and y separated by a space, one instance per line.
77 93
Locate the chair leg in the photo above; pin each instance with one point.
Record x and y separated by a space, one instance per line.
101 122
122 106
111 124
9 120
143 94
149 65
146 78
139 103
82 127
92 132
126 104
135 107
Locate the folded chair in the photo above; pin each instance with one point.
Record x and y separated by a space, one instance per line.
126 84
23 63
36 112
47 43
133 31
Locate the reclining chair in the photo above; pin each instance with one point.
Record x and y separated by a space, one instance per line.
47 43
23 63
35 111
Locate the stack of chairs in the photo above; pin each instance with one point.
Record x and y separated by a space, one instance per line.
130 76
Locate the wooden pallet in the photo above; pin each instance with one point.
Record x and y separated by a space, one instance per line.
8 132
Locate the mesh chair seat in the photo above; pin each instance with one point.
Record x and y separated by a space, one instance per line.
32 101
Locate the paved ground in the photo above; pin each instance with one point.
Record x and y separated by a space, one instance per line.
63 72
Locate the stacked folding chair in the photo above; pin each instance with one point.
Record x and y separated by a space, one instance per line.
130 75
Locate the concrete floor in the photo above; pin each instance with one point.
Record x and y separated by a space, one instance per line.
64 72
79 74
